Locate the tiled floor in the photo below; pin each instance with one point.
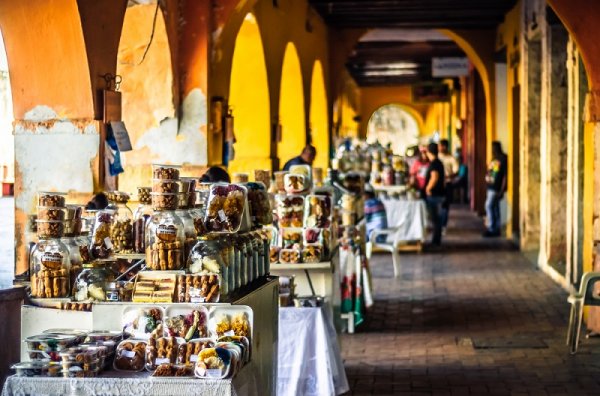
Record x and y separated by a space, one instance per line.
418 338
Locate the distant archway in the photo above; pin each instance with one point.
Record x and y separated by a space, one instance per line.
291 107
319 125
393 124
249 99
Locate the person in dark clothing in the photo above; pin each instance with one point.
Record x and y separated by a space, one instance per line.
215 174
305 158
496 187
98 202
435 192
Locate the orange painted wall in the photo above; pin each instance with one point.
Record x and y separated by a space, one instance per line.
55 74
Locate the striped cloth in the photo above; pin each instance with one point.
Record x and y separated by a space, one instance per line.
375 215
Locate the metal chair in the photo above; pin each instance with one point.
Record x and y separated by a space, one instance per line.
585 296
392 247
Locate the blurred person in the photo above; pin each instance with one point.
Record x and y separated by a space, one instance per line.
496 187
307 157
98 202
375 215
215 174
418 171
450 170
435 192
460 183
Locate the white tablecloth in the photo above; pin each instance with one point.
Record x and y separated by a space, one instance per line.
118 383
410 217
309 360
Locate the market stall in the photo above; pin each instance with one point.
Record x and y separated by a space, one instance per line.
409 219
176 293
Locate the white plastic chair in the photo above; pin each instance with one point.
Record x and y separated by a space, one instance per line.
585 296
391 245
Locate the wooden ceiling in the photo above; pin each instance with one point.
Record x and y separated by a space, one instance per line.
399 48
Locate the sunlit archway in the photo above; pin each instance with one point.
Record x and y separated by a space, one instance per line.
249 99
319 124
291 107
393 124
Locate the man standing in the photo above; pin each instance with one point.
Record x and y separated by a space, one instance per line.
496 187
435 192
307 157
450 170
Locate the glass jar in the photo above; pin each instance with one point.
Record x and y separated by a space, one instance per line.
249 259
165 240
243 260
74 257
121 232
237 263
91 282
50 269
205 259
141 216
101 245
189 230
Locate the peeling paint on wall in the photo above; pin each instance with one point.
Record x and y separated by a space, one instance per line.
56 158
188 145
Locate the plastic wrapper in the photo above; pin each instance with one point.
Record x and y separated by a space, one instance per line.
289 256
291 238
198 288
317 211
165 242
260 206
173 370
312 253
162 350
164 201
91 282
296 184
290 210
263 176
50 270
130 355
225 208
189 352
213 363
144 322
102 246
206 259
191 324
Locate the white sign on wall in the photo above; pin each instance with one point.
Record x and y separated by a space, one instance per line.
449 67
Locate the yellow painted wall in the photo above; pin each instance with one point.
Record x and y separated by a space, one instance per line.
319 120
249 85
507 33
291 107
279 25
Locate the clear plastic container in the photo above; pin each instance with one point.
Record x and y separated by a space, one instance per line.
296 184
205 259
213 363
189 231
274 254
317 211
186 322
50 228
130 355
312 253
188 353
225 208
240 177
280 181
52 199
121 232
249 253
289 256
74 223
50 270
31 369
50 342
169 172
51 213
238 251
256 255
164 201
304 170
91 282
263 176
102 246
72 245
260 206
290 238
165 240
290 210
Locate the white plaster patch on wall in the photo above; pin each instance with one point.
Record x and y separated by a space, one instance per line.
54 162
186 146
40 113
